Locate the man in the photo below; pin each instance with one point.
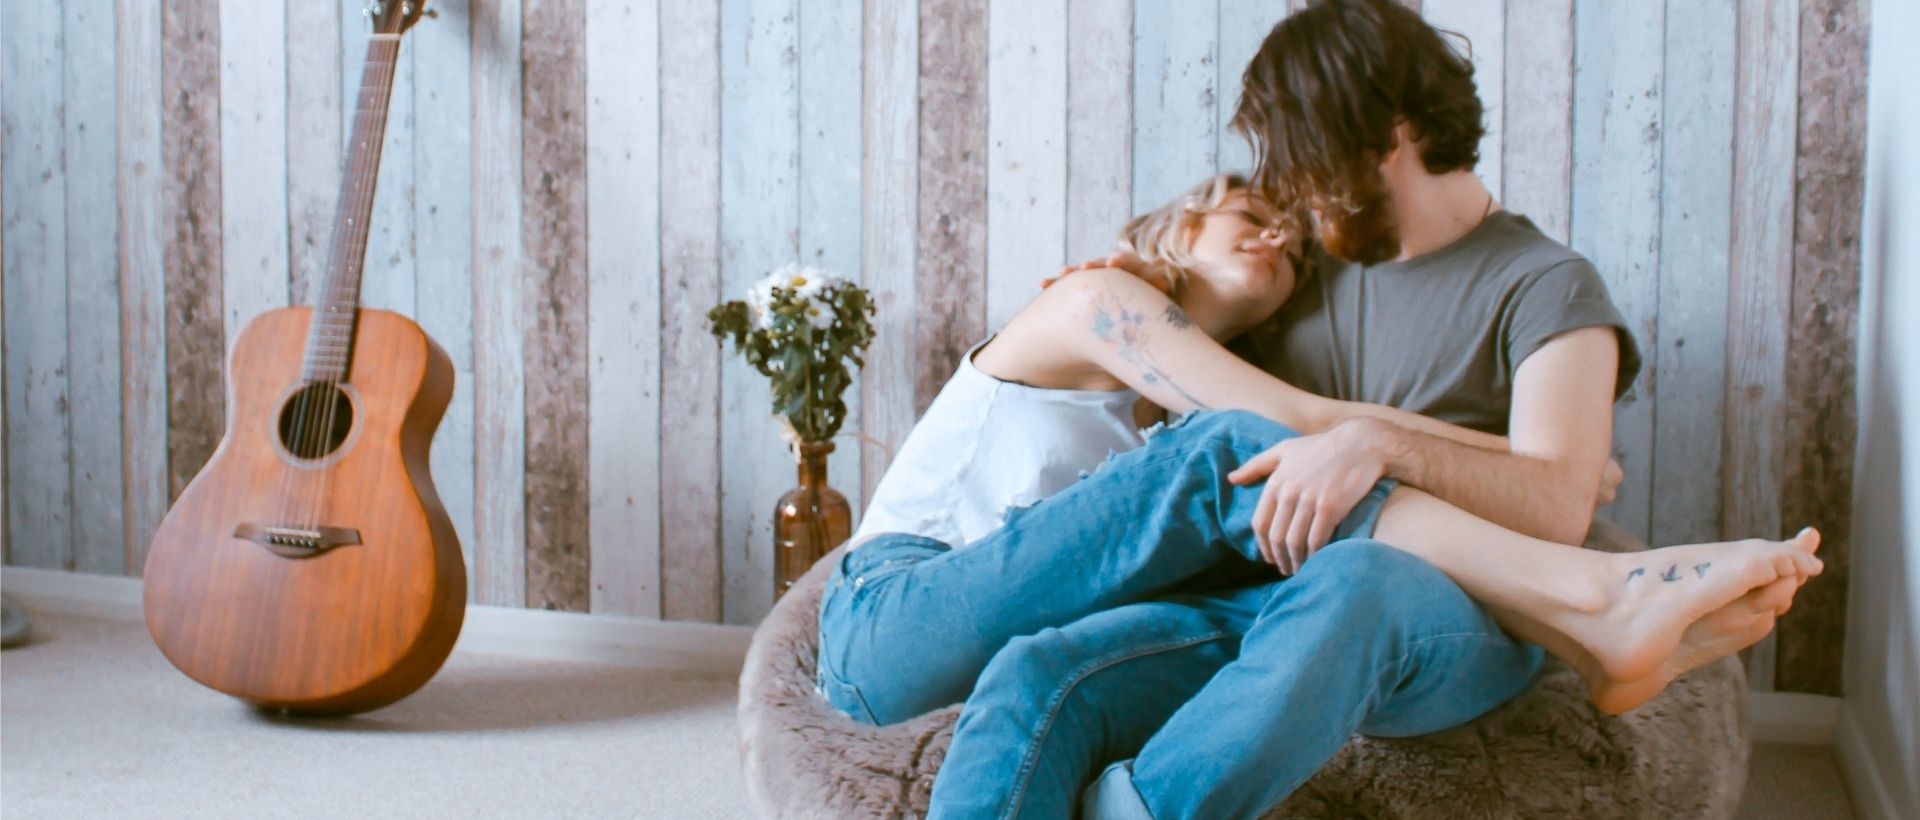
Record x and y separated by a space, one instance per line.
1430 298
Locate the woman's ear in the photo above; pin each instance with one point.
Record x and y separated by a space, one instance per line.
1190 225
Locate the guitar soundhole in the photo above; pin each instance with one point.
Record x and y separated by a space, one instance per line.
315 421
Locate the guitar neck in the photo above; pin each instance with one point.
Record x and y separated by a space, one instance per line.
330 336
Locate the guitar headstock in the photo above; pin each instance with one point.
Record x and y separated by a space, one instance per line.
394 17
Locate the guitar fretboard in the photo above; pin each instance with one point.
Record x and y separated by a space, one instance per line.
330 337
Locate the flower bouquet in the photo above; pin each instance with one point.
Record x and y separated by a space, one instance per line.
801 327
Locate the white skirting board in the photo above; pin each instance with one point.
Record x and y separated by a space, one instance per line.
1775 717
1867 779
1792 717
708 649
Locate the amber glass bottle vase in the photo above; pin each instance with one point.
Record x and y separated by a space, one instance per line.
809 521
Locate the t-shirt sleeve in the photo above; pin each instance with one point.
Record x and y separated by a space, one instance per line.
1567 296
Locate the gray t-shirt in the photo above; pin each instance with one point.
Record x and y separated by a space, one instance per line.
1440 334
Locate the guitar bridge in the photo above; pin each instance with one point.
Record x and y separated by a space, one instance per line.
297 542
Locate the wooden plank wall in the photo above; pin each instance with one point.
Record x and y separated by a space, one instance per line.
567 185
689 541
1829 181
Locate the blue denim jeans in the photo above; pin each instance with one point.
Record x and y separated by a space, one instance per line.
907 624
1219 705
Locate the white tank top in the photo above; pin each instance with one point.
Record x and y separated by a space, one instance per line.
985 445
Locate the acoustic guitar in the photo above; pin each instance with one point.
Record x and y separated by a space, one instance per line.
309 567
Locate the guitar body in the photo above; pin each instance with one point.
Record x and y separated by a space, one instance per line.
340 629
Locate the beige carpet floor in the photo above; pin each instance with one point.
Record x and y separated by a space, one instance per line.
1794 783
95 723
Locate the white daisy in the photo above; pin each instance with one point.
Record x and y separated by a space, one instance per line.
806 282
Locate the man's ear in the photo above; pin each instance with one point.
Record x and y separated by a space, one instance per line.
1400 141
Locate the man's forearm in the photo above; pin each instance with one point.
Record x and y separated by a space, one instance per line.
1528 494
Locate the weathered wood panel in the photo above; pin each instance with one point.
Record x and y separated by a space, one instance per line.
759 231
1026 151
143 279
1761 276
1537 156
316 134
1243 25
830 190
190 153
1099 125
388 279
623 311
1481 26
1696 187
40 489
1175 85
6 537
1760 283
1616 206
690 284
93 289
950 286
1821 423
443 243
253 140
499 408
889 131
554 315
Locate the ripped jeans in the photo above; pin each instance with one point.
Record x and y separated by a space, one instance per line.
907 623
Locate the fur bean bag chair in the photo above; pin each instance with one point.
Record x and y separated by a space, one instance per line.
1547 753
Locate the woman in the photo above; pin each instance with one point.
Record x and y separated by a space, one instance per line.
935 582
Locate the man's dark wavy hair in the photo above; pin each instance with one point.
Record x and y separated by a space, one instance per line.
1321 98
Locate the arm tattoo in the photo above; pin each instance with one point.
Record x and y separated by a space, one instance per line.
1126 332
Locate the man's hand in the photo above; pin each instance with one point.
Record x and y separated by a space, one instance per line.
1313 482
1119 259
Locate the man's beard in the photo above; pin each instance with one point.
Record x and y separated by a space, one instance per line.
1362 229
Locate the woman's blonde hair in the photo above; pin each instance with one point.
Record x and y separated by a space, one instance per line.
1162 237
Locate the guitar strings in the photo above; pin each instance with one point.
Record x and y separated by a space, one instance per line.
313 426
301 442
382 57
314 433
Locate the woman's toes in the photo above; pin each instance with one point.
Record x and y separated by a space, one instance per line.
1776 597
1785 564
1807 539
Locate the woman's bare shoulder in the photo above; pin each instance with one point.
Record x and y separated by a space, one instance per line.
1080 296
1036 346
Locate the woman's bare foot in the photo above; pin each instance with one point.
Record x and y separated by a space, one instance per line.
1718 634
1643 604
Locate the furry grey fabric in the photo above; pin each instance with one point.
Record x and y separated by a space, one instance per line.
1547 753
